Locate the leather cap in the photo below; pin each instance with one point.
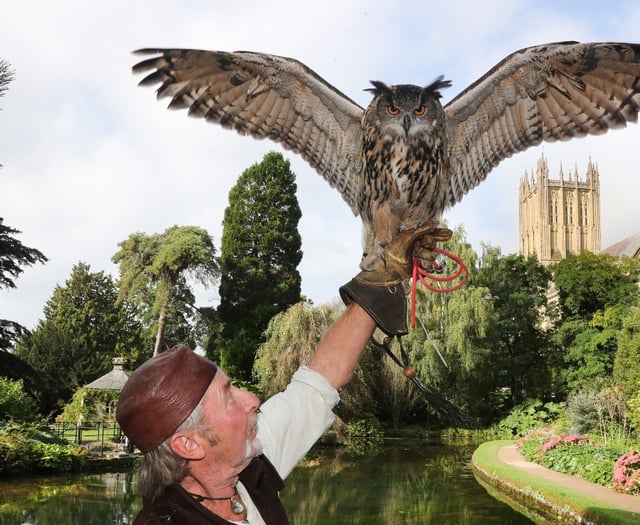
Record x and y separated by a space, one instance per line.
161 394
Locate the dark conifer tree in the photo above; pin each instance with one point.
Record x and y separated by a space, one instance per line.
260 253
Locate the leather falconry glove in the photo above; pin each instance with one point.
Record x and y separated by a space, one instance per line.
382 291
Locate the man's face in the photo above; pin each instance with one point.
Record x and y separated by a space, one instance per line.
232 417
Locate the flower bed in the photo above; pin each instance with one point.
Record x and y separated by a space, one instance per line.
578 456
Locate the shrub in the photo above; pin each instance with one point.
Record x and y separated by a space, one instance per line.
56 457
16 452
530 444
626 473
21 452
15 403
529 416
582 412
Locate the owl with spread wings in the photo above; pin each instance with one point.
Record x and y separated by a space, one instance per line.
404 159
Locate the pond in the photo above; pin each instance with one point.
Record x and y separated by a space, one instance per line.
392 485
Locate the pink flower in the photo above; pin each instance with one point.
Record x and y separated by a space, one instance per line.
552 443
626 473
572 440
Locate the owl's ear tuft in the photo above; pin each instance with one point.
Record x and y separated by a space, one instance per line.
380 88
433 90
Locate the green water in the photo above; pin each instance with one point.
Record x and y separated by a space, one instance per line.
395 485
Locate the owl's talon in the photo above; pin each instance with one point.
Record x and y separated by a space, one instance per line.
370 261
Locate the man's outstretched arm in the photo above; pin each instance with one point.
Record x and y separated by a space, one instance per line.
340 349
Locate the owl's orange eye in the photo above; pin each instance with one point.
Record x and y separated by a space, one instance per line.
392 110
420 110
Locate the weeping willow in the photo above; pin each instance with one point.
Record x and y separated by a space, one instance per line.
291 339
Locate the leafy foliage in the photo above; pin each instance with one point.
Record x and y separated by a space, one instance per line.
21 452
517 289
530 415
290 341
595 294
582 413
260 252
15 403
634 411
589 348
607 407
91 406
626 367
484 346
16 452
13 254
447 347
587 283
396 396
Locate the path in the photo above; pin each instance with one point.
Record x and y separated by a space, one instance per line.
509 454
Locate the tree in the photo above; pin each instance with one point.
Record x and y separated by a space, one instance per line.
6 76
595 294
260 252
291 339
626 369
84 328
589 349
517 288
446 348
395 395
13 257
154 269
482 346
587 283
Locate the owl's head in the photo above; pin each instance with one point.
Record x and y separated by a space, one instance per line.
405 109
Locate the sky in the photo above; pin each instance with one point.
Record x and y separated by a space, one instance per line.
90 158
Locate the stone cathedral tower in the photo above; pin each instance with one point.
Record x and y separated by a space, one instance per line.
559 217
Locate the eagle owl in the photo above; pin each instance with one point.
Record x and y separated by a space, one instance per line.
404 159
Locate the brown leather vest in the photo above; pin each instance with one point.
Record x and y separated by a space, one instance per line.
176 507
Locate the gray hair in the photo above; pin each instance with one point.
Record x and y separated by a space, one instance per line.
161 467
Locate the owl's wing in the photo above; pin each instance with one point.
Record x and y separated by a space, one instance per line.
267 96
543 93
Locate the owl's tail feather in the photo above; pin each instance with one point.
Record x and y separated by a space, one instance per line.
458 417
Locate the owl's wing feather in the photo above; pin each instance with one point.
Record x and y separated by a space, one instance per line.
267 96
543 93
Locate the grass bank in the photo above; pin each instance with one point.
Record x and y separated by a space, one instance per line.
542 500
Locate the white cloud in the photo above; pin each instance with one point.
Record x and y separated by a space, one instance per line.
90 158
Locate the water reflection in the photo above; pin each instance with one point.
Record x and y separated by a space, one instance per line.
394 485
98 499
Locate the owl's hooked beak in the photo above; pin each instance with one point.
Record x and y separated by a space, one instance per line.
406 124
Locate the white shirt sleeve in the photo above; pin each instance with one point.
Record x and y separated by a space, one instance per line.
290 422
